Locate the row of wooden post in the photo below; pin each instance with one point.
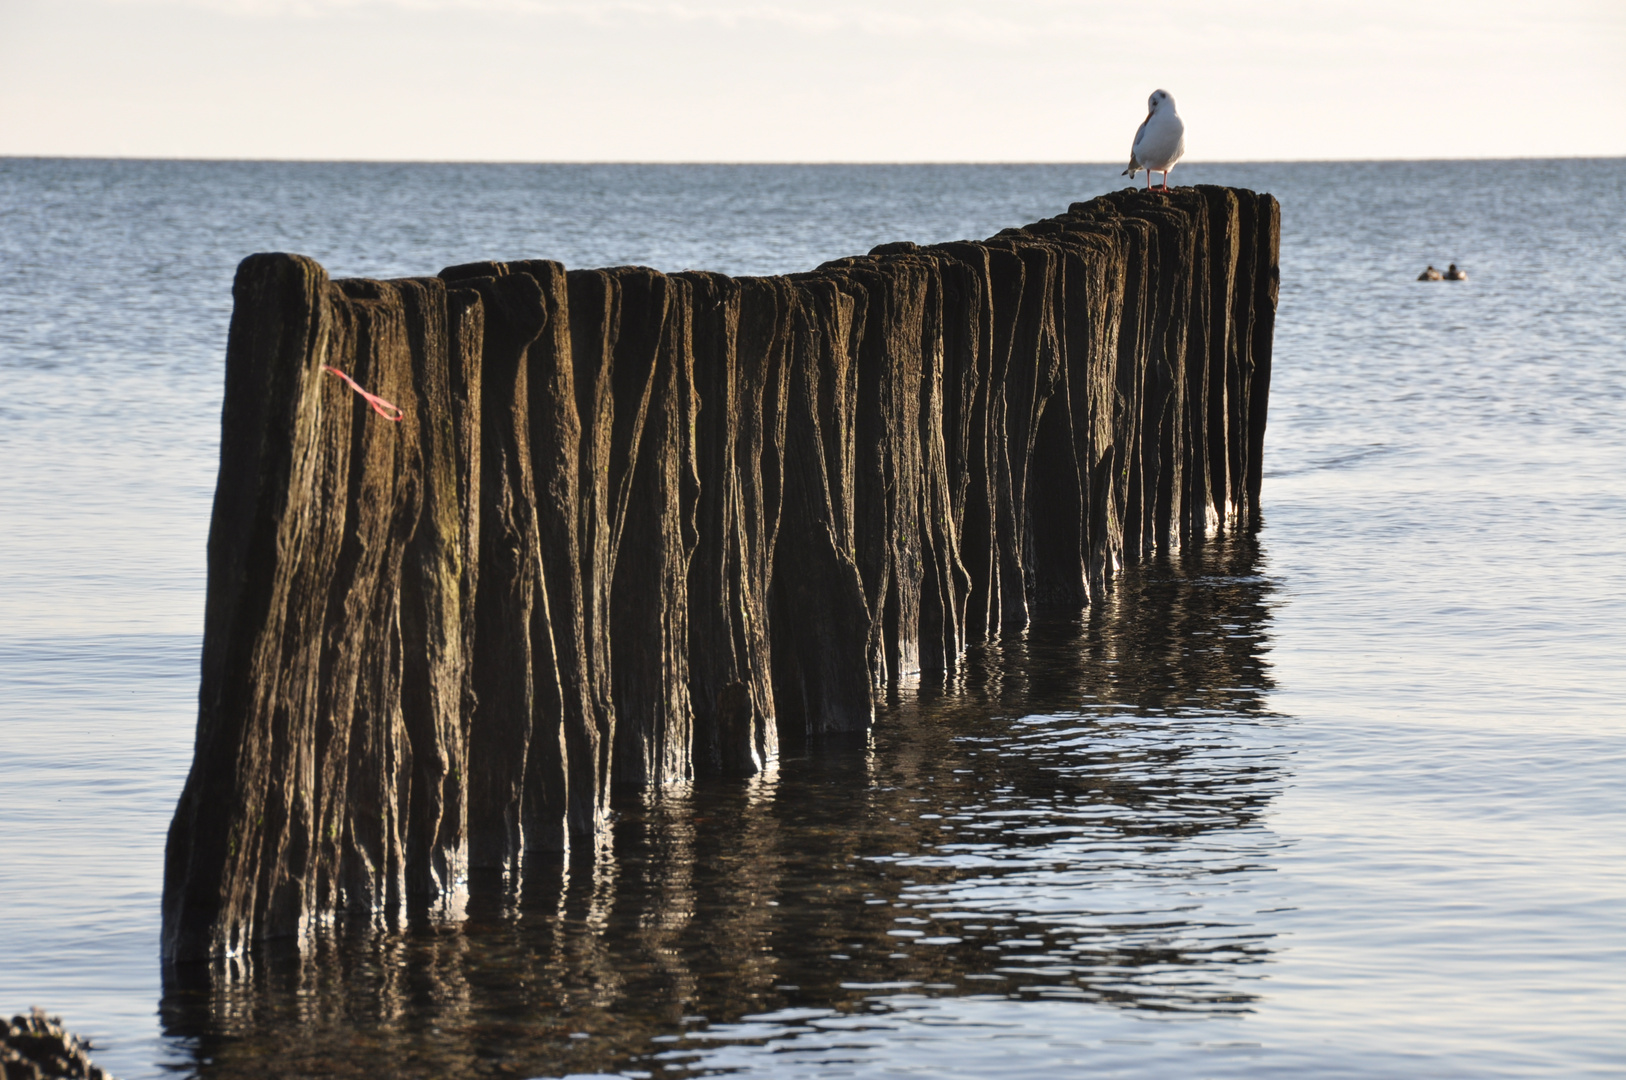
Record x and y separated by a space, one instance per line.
637 528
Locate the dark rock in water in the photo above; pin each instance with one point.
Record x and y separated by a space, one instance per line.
1453 274
36 1047
637 528
1430 274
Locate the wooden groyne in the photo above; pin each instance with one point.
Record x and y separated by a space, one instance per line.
639 527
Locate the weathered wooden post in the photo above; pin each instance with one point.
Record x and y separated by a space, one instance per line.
635 527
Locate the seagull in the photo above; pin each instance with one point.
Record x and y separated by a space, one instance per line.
1159 142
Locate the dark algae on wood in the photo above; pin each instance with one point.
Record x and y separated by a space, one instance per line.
636 528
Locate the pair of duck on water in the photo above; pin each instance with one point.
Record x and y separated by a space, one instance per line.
1451 274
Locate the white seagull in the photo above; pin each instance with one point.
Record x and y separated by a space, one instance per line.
1159 142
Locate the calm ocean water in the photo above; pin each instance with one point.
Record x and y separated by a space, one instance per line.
1347 798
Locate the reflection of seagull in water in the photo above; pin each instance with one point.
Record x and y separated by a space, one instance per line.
1159 142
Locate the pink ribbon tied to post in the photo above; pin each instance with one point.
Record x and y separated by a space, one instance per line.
380 406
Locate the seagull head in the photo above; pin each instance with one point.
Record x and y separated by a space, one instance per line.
1158 99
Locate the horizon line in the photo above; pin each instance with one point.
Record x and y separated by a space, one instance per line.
190 159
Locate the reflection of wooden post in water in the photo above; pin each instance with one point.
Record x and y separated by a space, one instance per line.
733 900
636 528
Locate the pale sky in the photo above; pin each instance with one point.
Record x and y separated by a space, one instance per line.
820 80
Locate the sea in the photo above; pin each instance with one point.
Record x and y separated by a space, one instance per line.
1341 797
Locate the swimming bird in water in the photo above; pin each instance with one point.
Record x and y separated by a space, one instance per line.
1159 142
1453 274
1430 274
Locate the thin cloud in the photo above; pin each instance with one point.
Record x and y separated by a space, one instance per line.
1240 29
1005 24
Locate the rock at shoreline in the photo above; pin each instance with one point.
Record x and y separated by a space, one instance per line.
37 1047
